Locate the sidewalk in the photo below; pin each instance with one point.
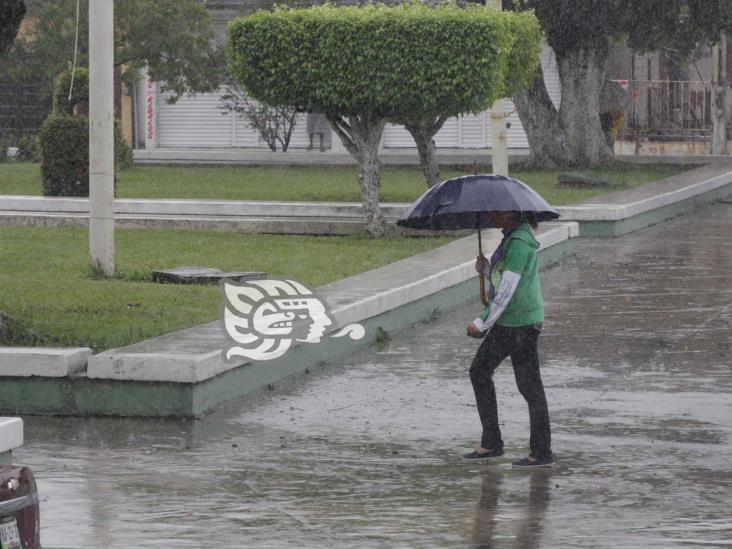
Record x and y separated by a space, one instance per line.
365 453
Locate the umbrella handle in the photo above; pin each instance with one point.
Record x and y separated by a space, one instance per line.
483 298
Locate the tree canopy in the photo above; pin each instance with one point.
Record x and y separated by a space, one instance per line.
364 65
581 33
675 25
390 61
174 39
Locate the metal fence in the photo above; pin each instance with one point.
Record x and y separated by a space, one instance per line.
668 110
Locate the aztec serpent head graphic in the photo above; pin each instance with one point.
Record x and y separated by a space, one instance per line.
264 317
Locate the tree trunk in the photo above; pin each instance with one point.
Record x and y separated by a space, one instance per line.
582 74
540 120
361 136
423 132
572 135
719 97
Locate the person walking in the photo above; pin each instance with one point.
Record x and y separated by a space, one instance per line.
511 324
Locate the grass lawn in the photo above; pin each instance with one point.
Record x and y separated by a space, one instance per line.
45 282
327 184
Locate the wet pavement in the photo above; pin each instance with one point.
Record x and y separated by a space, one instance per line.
637 354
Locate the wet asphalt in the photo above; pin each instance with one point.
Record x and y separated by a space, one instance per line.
636 361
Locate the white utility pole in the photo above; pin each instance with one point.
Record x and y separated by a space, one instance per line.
499 138
101 135
719 97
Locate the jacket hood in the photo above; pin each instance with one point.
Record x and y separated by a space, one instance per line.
523 232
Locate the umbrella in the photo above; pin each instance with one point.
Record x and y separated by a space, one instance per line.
464 203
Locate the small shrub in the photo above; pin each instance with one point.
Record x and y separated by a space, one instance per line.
64 144
122 151
79 95
28 149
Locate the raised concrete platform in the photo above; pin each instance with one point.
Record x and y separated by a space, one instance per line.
625 211
43 361
182 373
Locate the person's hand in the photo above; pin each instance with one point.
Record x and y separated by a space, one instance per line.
481 263
473 331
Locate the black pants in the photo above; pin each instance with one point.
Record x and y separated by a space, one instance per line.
521 344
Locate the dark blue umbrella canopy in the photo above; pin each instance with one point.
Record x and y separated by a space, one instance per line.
464 203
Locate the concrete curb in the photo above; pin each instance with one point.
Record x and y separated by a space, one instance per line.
206 208
43 361
11 433
625 211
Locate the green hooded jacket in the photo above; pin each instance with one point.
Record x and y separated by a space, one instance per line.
520 257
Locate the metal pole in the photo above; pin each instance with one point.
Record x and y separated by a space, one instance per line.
499 139
101 135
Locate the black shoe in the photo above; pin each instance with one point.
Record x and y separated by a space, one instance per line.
532 463
483 455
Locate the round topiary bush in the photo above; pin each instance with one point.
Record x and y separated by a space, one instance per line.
64 143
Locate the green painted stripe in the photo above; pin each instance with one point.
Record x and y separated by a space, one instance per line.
605 229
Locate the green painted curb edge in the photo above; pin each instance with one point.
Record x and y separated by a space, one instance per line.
604 229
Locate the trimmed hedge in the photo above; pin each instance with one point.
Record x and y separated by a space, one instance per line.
64 143
388 61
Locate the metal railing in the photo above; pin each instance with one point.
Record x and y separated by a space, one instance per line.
668 110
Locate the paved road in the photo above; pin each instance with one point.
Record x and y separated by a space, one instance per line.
636 359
